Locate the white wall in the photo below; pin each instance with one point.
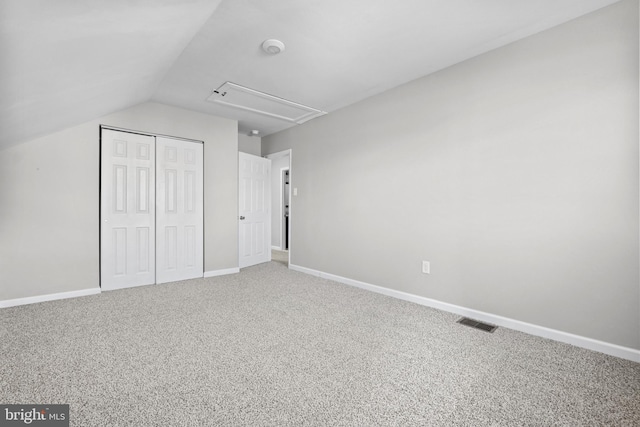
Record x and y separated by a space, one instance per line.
249 144
514 173
49 199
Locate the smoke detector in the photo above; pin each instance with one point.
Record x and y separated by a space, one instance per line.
255 132
273 46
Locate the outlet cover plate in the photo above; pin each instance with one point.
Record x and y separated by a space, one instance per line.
426 267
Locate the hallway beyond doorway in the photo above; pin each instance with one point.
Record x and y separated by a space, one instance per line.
280 256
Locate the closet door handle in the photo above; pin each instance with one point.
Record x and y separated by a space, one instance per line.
241 218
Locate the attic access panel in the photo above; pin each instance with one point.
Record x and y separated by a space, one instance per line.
237 96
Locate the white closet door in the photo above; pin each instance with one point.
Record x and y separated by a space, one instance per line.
254 209
179 212
127 250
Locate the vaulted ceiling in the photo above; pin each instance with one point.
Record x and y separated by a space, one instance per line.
63 62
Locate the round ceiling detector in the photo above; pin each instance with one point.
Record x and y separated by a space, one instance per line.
273 46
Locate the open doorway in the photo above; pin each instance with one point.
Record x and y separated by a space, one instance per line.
281 224
284 179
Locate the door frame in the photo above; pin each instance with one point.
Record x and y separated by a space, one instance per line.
284 230
277 155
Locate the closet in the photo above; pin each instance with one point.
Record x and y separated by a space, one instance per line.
151 209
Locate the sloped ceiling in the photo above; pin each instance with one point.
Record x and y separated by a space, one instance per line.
64 62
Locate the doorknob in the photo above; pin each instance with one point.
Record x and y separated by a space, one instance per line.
241 218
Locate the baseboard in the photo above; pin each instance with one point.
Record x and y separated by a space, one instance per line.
529 328
222 272
85 292
48 297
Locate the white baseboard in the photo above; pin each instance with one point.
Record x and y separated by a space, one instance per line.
529 328
85 292
48 297
223 272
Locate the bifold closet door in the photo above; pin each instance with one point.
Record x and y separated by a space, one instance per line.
179 210
127 210
151 207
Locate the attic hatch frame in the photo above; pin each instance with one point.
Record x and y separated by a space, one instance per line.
244 98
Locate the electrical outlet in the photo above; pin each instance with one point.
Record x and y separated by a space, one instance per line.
426 267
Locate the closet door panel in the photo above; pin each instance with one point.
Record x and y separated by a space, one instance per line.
127 194
179 210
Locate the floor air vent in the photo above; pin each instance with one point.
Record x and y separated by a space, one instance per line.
478 325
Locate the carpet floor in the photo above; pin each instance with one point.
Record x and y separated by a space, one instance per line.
274 347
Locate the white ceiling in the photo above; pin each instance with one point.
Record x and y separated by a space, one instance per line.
64 62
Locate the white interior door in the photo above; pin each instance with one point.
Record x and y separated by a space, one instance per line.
127 204
254 210
179 210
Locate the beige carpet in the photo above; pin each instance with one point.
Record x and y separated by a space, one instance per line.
273 347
